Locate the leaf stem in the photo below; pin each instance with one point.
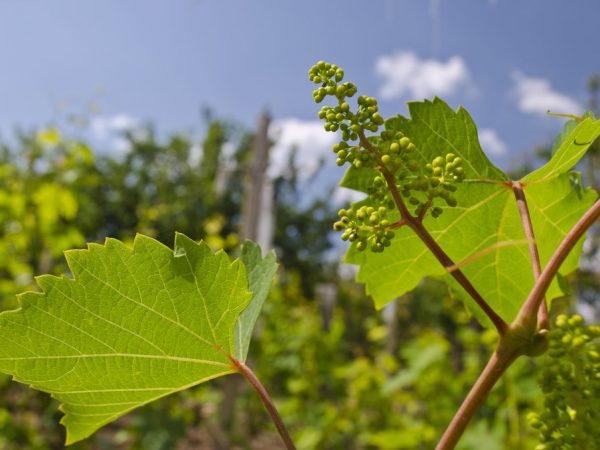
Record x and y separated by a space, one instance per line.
536 296
458 275
517 187
496 366
416 224
266 399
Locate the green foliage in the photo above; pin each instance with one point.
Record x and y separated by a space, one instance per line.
303 233
493 254
260 276
347 388
571 145
45 207
165 178
570 379
153 321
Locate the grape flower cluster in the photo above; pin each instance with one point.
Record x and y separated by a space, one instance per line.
570 380
392 158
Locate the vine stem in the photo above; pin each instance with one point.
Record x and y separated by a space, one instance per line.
458 275
508 351
247 373
496 366
536 296
416 224
517 187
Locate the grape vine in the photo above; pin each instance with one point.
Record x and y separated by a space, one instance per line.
402 187
134 324
389 153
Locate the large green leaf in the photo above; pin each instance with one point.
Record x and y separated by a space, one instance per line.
486 222
135 324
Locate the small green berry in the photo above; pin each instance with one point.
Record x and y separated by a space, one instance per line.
339 226
377 247
412 165
576 320
562 321
377 119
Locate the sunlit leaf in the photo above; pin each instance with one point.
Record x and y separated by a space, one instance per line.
135 324
485 229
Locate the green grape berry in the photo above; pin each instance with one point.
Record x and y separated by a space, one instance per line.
569 378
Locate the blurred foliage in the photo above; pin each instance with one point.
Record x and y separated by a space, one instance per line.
344 375
343 389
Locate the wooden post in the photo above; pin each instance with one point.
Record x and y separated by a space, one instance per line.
256 179
256 210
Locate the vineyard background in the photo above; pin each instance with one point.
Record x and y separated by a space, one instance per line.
343 375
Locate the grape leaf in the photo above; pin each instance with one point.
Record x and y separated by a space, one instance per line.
260 275
485 229
570 150
135 324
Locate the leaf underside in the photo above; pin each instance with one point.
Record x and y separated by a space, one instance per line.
135 324
260 276
485 229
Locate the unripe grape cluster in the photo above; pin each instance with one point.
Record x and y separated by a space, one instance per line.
570 380
437 181
393 154
367 226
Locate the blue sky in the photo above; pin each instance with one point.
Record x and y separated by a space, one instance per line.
506 62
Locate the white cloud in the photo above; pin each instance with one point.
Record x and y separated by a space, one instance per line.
346 196
491 142
310 140
103 127
404 73
108 130
536 96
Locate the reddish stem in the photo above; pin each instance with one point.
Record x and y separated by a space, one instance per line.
423 212
458 275
266 399
536 296
517 187
496 366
